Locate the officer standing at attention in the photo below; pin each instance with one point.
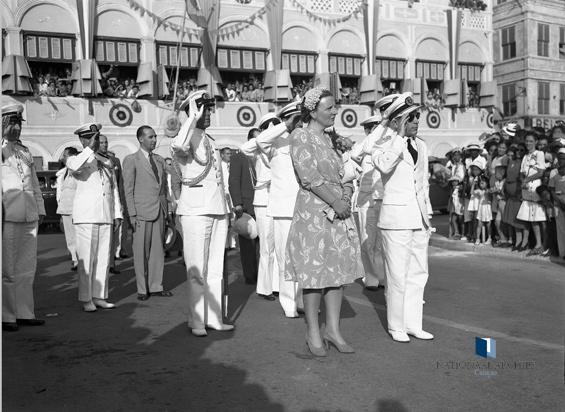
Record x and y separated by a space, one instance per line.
203 214
402 159
96 213
23 211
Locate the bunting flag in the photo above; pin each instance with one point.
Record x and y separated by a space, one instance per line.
86 10
453 36
275 22
370 24
361 5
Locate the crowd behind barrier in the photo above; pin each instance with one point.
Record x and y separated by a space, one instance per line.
509 191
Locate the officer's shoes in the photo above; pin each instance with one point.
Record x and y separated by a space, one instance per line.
199 332
421 334
30 322
399 336
101 303
223 327
10 327
89 307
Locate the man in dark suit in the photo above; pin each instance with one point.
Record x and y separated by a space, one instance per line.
145 184
242 190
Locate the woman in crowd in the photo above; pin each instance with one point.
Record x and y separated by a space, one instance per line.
531 210
513 195
66 187
323 247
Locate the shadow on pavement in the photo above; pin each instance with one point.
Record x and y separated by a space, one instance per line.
137 357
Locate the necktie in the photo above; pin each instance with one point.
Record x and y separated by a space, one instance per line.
412 150
154 166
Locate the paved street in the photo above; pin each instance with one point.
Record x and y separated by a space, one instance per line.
141 356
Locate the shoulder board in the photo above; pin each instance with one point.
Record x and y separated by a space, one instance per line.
210 137
419 138
19 143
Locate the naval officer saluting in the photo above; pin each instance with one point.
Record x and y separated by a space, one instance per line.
96 211
402 159
23 211
203 214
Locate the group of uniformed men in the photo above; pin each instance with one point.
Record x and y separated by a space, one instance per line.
393 184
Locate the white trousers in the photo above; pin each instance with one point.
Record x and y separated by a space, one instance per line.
289 295
93 250
406 268
70 236
371 244
560 226
204 243
19 261
267 278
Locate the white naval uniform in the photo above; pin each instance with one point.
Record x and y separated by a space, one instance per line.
66 188
274 143
369 203
204 221
268 274
404 223
95 206
22 204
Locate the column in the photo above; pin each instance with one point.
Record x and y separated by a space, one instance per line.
148 52
14 41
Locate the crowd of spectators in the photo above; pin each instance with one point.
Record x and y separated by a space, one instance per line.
509 191
52 83
247 90
434 99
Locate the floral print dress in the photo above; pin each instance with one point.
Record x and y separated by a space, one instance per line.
322 251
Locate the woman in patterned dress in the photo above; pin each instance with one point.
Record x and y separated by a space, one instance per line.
323 247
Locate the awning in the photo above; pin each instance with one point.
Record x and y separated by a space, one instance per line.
16 75
331 82
86 78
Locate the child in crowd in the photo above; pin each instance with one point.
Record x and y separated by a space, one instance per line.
484 210
471 202
455 207
499 203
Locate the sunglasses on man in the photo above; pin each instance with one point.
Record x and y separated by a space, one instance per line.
412 116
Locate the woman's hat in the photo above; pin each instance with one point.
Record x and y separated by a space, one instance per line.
479 162
245 226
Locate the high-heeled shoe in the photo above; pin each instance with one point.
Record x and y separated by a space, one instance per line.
341 347
317 351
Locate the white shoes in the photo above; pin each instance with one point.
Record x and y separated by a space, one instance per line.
199 332
399 336
89 307
101 303
223 327
421 334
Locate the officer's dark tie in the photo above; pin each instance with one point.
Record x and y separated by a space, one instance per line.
412 150
154 166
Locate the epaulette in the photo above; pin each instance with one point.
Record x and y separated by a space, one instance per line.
210 137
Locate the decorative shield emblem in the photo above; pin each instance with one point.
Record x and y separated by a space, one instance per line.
246 116
433 120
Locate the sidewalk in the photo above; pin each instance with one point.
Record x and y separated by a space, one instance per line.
441 241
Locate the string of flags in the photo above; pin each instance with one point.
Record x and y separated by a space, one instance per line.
224 32
331 21
233 29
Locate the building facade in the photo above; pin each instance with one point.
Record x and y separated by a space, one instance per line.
529 56
411 46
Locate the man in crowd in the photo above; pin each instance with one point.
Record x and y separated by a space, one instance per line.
96 213
203 214
268 275
145 183
273 142
402 160
118 231
369 200
241 184
22 212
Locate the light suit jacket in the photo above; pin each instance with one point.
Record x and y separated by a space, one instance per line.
406 202
22 200
96 198
146 196
274 143
209 196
